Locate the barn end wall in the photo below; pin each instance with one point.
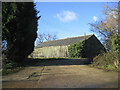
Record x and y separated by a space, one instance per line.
93 47
50 52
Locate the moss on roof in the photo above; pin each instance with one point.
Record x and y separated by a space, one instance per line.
63 42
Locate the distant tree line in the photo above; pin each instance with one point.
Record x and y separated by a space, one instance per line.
46 37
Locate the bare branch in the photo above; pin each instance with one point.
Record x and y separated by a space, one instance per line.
108 27
46 37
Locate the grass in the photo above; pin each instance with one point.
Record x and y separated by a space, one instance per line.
108 66
64 58
11 71
106 61
11 67
34 74
105 67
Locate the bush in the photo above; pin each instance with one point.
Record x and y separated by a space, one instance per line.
77 50
10 65
106 59
10 71
108 66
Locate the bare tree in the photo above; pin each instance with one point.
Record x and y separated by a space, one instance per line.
54 37
41 37
108 27
46 37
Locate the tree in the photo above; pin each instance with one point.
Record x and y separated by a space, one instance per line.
108 28
41 37
19 26
46 37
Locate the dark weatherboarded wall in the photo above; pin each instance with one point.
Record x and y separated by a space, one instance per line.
93 47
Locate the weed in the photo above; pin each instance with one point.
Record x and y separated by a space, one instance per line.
32 75
10 71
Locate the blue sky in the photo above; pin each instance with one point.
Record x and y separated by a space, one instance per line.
68 19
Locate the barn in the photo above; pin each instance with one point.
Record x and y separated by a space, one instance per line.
59 48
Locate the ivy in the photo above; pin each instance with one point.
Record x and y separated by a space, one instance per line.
77 50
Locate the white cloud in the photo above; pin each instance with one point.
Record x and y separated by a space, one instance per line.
66 16
95 18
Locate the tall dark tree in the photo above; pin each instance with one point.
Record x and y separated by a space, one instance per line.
19 26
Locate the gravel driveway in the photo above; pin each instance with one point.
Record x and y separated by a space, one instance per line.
51 75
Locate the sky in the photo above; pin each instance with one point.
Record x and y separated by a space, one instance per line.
68 19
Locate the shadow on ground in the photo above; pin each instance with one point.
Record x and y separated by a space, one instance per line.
54 62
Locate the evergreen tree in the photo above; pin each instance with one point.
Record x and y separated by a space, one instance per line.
19 26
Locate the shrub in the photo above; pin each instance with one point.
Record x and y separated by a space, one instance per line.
109 59
10 65
10 71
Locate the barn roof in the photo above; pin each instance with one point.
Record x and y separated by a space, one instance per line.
62 42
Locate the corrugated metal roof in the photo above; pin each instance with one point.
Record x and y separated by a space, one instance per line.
63 42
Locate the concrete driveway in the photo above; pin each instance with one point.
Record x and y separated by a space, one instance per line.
50 75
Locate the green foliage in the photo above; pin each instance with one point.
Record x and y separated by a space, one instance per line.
108 66
10 71
108 59
77 50
115 43
107 28
19 27
9 65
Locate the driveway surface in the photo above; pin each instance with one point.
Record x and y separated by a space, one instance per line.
53 75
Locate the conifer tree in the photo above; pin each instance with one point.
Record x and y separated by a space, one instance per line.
19 27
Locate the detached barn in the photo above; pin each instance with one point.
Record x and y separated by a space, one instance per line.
59 48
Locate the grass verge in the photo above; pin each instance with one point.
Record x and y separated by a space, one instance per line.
12 67
64 58
10 71
106 67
